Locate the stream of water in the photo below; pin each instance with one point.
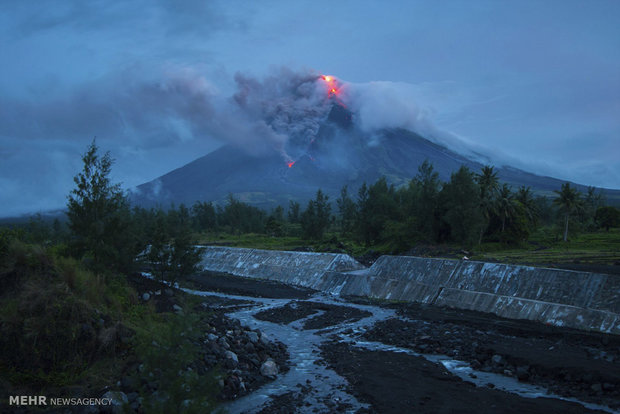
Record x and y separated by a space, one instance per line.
327 387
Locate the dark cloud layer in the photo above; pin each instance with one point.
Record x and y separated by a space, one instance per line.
154 82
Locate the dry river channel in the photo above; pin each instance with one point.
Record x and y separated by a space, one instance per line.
355 355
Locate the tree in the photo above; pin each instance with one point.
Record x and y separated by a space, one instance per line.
293 211
488 183
569 202
607 217
205 217
460 201
172 251
315 219
425 204
505 204
592 200
99 216
362 220
525 197
376 206
346 210
159 250
273 227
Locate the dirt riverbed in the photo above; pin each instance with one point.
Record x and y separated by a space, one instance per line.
567 363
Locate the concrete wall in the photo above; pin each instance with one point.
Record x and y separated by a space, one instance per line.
560 297
297 268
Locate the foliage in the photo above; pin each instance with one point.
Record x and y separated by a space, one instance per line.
607 217
172 250
424 190
568 202
168 348
99 216
205 216
241 218
346 211
316 218
293 211
55 318
460 201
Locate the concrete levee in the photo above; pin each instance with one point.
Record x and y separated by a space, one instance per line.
580 300
579 289
297 268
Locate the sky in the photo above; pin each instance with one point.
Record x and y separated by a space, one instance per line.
533 84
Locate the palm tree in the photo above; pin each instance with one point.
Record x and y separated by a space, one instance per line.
569 201
526 198
505 204
489 183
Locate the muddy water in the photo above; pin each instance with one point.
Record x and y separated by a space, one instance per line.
324 389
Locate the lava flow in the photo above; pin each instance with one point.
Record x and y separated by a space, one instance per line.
332 85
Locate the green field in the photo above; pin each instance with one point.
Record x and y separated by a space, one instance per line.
588 248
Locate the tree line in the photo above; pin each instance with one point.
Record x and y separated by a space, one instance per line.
469 209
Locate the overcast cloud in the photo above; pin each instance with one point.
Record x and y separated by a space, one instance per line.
532 83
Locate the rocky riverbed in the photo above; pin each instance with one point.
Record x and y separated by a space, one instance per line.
358 355
280 349
244 358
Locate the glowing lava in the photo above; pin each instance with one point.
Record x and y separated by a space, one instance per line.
332 86
290 164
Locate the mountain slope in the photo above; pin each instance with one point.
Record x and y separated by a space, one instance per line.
339 155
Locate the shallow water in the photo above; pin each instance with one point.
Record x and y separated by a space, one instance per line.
307 368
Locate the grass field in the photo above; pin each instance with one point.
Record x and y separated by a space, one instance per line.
592 248
587 248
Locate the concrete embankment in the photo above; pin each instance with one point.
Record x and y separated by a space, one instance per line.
580 300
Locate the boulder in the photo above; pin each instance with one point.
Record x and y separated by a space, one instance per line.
269 368
253 337
232 355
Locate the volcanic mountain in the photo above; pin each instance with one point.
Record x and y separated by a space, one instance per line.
340 154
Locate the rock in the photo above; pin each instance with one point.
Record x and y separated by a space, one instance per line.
146 296
117 400
232 355
177 308
157 292
523 373
497 359
169 292
253 337
596 387
222 341
249 348
130 384
269 368
211 337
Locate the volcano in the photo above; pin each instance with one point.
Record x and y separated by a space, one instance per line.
340 154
